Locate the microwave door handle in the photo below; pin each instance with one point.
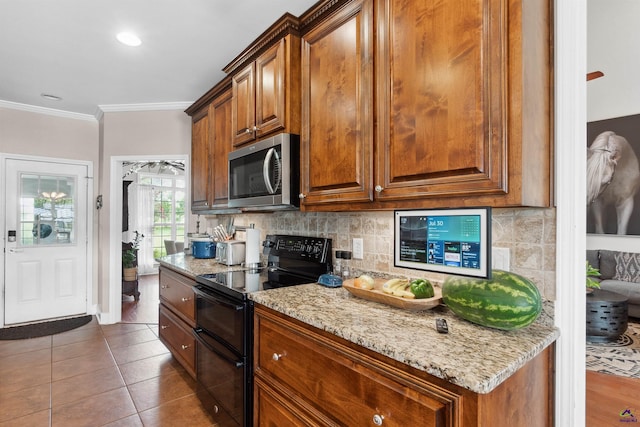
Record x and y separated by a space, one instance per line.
265 170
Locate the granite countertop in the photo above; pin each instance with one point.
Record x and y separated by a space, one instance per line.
192 267
470 356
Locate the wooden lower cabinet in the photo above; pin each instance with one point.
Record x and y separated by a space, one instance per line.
305 376
177 317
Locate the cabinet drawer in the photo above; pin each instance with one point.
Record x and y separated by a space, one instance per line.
176 291
351 391
178 337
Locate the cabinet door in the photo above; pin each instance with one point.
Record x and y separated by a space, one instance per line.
243 114
200 172
222 143
176 293
270 89
337 115
450 104
323 376
177 335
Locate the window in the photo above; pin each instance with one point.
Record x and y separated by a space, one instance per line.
47 206
168 209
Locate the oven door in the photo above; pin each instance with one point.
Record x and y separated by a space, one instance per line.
223 381
223 318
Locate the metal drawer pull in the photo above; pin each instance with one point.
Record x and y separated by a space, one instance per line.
216 409
378 189
277 356
164 287
378 419
186 299
184 347
163 326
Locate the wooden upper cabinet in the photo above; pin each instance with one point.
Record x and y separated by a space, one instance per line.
337 119
220 113
436 133
211 142
462 105
244 105
455 88
266 93
200 152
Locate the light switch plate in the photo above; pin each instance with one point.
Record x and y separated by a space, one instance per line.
358 248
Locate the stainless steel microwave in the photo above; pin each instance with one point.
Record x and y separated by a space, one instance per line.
266 175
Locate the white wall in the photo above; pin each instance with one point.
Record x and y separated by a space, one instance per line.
122 134
612 47
29 133
133 134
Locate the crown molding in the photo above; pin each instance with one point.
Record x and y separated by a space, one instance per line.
100 110
152 106
47 111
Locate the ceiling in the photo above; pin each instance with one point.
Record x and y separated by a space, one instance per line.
68 48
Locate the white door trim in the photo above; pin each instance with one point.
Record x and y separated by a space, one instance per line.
570 171
91 308
114 312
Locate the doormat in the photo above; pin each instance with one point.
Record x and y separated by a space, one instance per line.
42 329
617 358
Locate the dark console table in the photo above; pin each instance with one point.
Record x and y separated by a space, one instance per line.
606 316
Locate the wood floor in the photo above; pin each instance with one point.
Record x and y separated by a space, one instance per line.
146 309
608 397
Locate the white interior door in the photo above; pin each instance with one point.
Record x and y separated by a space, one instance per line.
46 240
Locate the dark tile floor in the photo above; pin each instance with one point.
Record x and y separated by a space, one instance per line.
111 375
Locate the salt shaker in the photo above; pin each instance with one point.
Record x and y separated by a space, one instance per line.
346 270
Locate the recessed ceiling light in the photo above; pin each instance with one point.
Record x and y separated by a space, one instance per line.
129 39
50 97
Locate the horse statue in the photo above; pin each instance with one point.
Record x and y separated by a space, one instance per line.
613 178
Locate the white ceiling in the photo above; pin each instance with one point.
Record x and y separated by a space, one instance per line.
68 48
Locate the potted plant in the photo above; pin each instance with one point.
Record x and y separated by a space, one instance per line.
592 283
129 257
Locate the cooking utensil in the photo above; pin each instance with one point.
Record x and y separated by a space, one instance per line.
223 232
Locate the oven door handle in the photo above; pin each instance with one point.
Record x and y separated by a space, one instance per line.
236 363
206 295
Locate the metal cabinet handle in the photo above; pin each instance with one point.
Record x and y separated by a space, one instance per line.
164 327
256 128
378 188
164 287
302 196
247 130
378 419
277 356
186 299
184 347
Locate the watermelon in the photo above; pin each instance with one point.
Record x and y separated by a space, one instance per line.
507 301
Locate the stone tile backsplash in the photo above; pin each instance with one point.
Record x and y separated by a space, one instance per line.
528 233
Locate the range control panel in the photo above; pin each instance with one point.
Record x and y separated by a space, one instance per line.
315 249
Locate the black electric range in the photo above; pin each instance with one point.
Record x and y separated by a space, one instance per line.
291 260
224 321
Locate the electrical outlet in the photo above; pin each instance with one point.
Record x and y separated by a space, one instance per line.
500 258
358 248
